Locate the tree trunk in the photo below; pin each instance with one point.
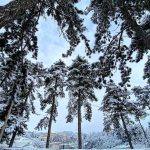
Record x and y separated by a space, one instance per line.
49 127
16 130
117 128
49 130
144 132
13 137
126 131
79 124
6 120
51 118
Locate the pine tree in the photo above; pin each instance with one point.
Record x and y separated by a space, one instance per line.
26 106
131 19
119 21
142 95
81 92
19 35
10 86
16 78
18 95
54 84
115 105
142 102
125 14
11 99
139 114
65 12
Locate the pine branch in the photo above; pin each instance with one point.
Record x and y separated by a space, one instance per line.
14 9
134 26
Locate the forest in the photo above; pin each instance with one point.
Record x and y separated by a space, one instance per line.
121 38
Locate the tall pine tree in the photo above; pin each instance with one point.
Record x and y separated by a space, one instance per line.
54 84
16 80
116 106
80 85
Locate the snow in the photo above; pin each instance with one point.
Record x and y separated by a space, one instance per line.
1 123
30 148
31 141
125 146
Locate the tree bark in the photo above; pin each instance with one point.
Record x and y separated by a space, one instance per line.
79 124
16 129
13 138
117 128
126 131
145 135
6 120
49 126
51 118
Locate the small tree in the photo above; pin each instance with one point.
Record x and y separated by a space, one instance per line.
54 84
81 92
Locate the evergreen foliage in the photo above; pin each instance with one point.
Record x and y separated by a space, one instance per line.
81 92
142 95
54 83
20 77
119 21
117 106
65 12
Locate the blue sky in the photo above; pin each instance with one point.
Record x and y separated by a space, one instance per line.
51 46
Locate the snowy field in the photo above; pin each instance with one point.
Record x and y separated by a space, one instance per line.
136 147
28 144
47 149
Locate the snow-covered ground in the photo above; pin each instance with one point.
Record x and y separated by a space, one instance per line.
23 143
30 142
125 146
47 149
28 145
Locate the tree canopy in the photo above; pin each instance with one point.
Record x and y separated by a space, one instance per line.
122 37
